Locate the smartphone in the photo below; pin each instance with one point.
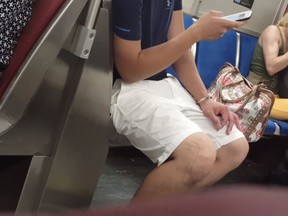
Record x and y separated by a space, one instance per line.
242 16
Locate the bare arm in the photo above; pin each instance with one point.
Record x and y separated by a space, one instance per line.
185 66
134 63
270 40
187 72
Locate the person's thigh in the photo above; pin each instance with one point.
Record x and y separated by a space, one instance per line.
150 118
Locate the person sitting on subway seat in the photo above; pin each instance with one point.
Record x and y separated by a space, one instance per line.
194 141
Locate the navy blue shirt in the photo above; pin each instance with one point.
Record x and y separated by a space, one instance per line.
145 20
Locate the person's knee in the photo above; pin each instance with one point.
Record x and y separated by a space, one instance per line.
197 157
240 150
234 153
199 171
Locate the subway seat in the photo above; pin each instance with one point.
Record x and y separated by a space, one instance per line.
51 117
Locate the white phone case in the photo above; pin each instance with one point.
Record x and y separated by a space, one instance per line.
242 16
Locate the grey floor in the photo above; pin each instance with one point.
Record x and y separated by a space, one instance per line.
126 168
124 171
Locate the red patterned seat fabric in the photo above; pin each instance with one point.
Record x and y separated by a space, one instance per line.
42 14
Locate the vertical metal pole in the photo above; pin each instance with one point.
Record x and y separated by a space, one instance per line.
196 6
92 13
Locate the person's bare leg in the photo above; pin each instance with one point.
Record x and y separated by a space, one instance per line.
228 158
191 161
193 165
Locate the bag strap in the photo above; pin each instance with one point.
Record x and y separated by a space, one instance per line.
251 94
248 95
224 77
235 70
243 79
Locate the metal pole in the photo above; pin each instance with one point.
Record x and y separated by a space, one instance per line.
92 13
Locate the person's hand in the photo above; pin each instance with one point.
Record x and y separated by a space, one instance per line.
220 115
211 25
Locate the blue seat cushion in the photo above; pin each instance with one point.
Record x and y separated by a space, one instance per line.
212 55
270 128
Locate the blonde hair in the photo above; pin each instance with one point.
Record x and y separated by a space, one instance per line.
283 22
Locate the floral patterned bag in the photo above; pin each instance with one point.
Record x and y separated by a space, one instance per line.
252 103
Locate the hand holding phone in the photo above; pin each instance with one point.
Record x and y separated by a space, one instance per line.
242 16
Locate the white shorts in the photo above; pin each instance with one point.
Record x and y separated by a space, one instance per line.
156 116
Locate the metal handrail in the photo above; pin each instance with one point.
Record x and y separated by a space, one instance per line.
85 34
92 14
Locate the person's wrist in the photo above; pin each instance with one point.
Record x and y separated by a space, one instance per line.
196 33
203 100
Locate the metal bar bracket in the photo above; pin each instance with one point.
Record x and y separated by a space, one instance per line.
83 41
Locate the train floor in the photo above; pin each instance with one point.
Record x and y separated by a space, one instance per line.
126 168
